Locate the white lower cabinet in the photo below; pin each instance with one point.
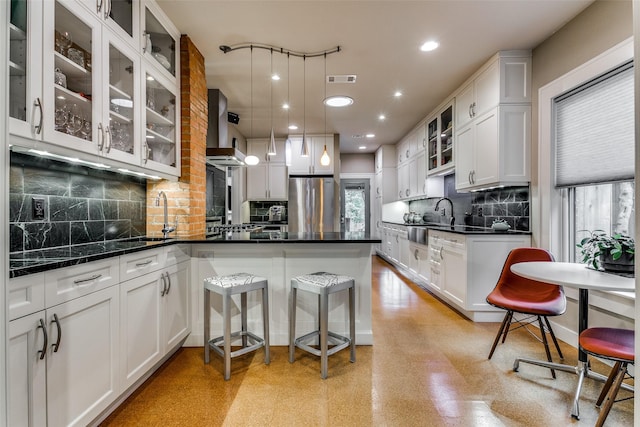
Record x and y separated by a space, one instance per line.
154 318
82 358
78 338
420 261
465 268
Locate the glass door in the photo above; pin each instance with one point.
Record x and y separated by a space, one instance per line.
158 43
160 120
25 83
432 138
446 136
122 112
69 79
354 205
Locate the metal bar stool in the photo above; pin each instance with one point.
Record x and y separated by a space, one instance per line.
612 344
226 286
323 284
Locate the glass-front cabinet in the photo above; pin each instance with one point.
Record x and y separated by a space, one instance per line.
97 77
440 141
159 44
159 151
25 63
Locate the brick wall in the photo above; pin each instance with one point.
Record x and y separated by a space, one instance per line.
187 196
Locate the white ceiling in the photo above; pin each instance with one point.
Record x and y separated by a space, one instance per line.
379 42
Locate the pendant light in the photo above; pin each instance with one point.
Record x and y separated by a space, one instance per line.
304 149
271 151
287 144
251 160
325 160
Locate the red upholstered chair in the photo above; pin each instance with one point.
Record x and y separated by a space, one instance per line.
536 300
612 344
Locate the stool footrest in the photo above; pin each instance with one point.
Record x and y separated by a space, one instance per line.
256 343
341 343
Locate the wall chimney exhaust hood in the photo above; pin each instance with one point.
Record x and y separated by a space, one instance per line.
220 151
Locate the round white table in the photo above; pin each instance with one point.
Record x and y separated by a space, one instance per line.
578 276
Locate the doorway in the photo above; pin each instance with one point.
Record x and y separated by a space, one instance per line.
354 205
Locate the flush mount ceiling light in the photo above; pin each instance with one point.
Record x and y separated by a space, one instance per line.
338 101
429 46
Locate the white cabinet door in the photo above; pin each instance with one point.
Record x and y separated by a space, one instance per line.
403 181
404 249
465 155
487 89
464 106
486 156
299 165
278 182
176 311
454 272
257 182
82 359
26 382
414 189
140 327
421 174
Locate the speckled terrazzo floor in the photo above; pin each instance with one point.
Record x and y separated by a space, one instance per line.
428 367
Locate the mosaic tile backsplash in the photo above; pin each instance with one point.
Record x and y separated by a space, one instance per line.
54 204
481 208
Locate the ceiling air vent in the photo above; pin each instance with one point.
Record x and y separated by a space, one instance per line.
345 78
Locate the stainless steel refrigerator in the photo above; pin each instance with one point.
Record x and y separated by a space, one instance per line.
312 204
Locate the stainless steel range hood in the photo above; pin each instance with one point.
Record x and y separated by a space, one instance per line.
220 151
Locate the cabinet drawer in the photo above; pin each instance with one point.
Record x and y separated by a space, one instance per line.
71 282
26 295
143 262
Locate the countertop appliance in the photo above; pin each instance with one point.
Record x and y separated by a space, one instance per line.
313 203
277 213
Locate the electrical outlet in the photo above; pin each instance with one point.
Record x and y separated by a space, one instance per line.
37 208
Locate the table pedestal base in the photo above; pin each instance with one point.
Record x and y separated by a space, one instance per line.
582 370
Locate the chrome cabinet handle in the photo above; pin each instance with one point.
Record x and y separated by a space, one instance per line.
407 154
100 137
88 279
56 345
415 255
144 263
107 10
38 127
43 352
168 281
470 110
407 192
98 6
440 252
164 285
147 152
107 131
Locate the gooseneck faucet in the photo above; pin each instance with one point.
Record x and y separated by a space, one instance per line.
453 219
166 229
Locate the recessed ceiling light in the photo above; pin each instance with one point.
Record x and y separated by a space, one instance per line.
429 46
362 147
285 106
370 135
381 117
397 94
293 127
338 101
275 77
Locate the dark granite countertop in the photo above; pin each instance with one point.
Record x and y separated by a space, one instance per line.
21 264
461 229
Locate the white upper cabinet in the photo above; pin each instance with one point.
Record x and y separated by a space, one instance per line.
79 76
492 135
268 180
311 165
440 140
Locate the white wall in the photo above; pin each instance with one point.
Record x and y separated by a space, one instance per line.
357 163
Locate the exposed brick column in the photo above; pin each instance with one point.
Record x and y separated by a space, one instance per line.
187 196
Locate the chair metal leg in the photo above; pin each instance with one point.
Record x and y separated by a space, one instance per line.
243 317
607 384
207 325
546 345
553 337
611 396
292 324
226 313
502 326
352 322
324 335
265 321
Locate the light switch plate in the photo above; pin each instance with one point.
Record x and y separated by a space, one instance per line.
37 208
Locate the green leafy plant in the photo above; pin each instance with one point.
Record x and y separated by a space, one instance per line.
600 244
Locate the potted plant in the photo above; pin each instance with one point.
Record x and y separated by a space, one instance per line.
610 252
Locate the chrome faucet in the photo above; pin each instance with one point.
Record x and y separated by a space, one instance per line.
166 229
453 219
